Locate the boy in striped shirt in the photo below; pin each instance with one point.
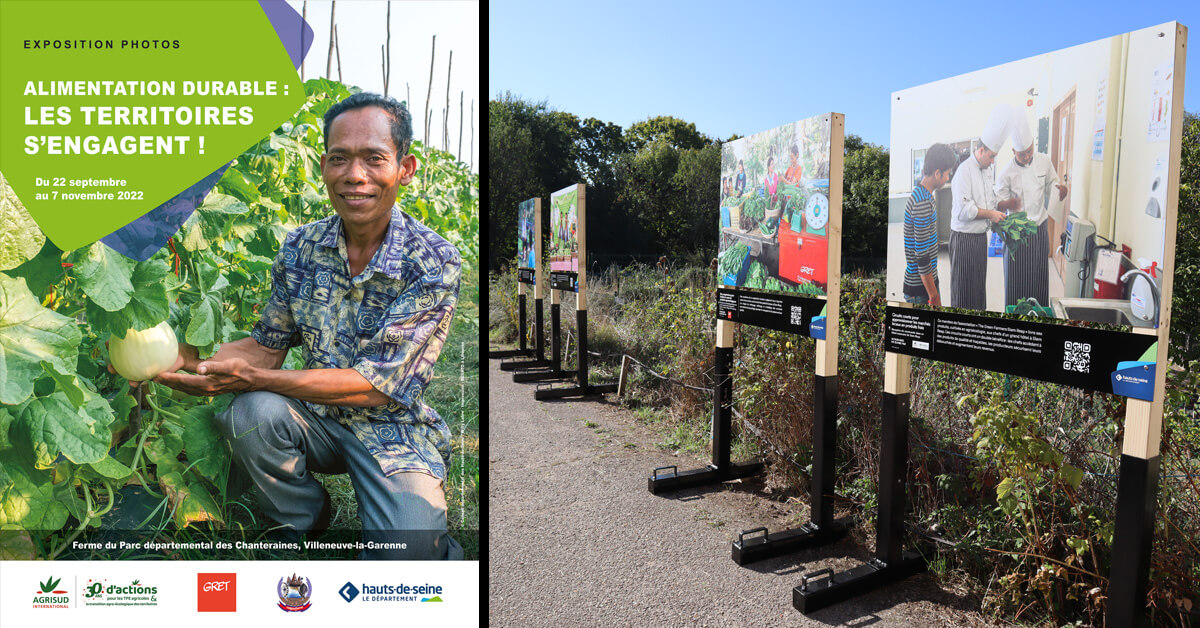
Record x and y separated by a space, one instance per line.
920 228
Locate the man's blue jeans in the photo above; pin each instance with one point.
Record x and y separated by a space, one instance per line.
277 442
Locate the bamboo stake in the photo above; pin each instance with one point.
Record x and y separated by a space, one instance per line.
471 166
329 59
429 94
387 61
460 122
446 114
337 48
408 97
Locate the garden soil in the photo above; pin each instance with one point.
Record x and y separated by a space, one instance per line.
576 539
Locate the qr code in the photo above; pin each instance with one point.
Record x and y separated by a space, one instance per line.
797 316
1077 356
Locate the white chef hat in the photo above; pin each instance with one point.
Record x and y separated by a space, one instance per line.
997 127
1021 136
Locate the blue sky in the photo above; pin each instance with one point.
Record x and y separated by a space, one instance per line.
744 67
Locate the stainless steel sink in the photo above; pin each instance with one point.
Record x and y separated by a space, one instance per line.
1110 311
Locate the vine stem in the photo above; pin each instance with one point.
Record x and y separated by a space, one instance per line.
87 495
137 456
1048 559
159 410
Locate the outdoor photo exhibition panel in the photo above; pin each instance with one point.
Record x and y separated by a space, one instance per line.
529 271
779 266
568 247
1049 187
563 248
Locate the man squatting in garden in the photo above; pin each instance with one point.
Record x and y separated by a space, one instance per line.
368 295
920 228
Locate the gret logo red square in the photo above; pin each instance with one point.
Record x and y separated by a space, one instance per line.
216 592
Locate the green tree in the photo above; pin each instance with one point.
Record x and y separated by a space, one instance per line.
675 132
1185 310
864 199
532 150
697 186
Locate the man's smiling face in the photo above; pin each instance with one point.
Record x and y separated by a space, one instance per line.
361 169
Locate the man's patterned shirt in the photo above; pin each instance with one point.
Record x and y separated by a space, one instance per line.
388 323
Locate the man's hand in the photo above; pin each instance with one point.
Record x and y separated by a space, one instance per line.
1062 191
992 215
214 377
1010 204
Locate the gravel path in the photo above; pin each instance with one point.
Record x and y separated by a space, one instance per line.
576 539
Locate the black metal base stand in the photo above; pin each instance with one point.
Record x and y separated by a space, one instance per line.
541 374
539 360
815 593
1133 535
822 528
700 477
721 468
582 387
509 353
771 545
891 562
573 391
521 351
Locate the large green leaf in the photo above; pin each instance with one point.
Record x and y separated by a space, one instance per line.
29 334
234 181
43 271
165 450
51 425
104 275
29 503
112 468
223 203
20 237
205 322
68 383
149 305
204 445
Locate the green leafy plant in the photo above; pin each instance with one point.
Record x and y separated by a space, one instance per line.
1016 229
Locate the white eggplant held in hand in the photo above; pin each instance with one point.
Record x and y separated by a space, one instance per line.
142 355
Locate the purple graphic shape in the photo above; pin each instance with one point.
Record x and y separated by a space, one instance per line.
293 31
142 238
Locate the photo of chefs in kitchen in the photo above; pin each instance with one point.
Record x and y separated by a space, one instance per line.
1038 186
775 209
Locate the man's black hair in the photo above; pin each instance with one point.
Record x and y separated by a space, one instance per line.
401 119
939 157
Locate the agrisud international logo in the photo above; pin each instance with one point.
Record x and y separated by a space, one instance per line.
377 593
51 595
101 592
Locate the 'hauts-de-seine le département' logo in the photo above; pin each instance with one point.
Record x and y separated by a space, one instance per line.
50 595
392 592
294 593
101 592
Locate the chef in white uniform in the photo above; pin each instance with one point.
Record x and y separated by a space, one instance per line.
1026 184
973 209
